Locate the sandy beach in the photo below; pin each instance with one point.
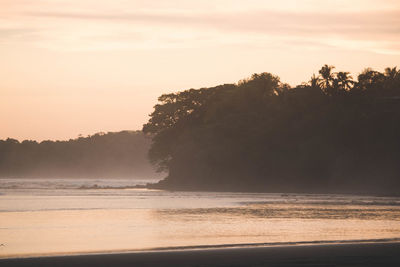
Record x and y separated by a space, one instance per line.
370 254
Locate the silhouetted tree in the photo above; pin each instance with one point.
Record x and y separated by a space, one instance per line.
331 134
315 82
328 78
345 81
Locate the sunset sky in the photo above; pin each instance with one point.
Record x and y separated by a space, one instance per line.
71 67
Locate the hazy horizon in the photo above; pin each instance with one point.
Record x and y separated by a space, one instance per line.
68 138
81 67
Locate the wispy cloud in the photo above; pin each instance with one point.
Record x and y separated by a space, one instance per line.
373 30
13 32
387 22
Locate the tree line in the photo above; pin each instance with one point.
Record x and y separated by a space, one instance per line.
330 134
102 155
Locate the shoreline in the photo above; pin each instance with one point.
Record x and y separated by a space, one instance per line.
367 253
209 247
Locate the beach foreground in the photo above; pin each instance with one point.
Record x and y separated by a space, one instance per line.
371 254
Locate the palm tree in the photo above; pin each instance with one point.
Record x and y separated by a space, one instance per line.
392 81
392 73
315 82
327 75
345 81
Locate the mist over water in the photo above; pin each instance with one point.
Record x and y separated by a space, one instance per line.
75 183
62 216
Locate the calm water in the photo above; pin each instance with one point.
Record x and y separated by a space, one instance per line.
60 216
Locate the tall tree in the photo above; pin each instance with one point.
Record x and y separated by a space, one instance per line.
345 81
315 82
328 78
392 73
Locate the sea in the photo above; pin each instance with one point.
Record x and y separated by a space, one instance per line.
42 217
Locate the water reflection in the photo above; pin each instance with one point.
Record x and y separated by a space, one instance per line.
43 221
269 211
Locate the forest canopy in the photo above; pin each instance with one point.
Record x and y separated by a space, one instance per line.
102 155
330 134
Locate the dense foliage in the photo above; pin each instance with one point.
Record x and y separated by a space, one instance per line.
121 154
332 134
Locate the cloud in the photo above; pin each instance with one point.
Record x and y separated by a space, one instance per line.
12 32
18 35
346 23
158 27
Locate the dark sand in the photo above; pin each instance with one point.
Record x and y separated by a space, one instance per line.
370 254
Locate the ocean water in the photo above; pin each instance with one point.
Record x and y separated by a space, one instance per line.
74 216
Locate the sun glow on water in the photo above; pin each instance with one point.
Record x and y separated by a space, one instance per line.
44 221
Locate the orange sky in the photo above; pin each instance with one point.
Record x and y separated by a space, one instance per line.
72 67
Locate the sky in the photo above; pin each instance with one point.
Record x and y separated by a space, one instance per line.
77 67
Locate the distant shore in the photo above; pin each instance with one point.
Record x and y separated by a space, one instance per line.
366 254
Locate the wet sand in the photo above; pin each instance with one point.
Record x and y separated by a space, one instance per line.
370 254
